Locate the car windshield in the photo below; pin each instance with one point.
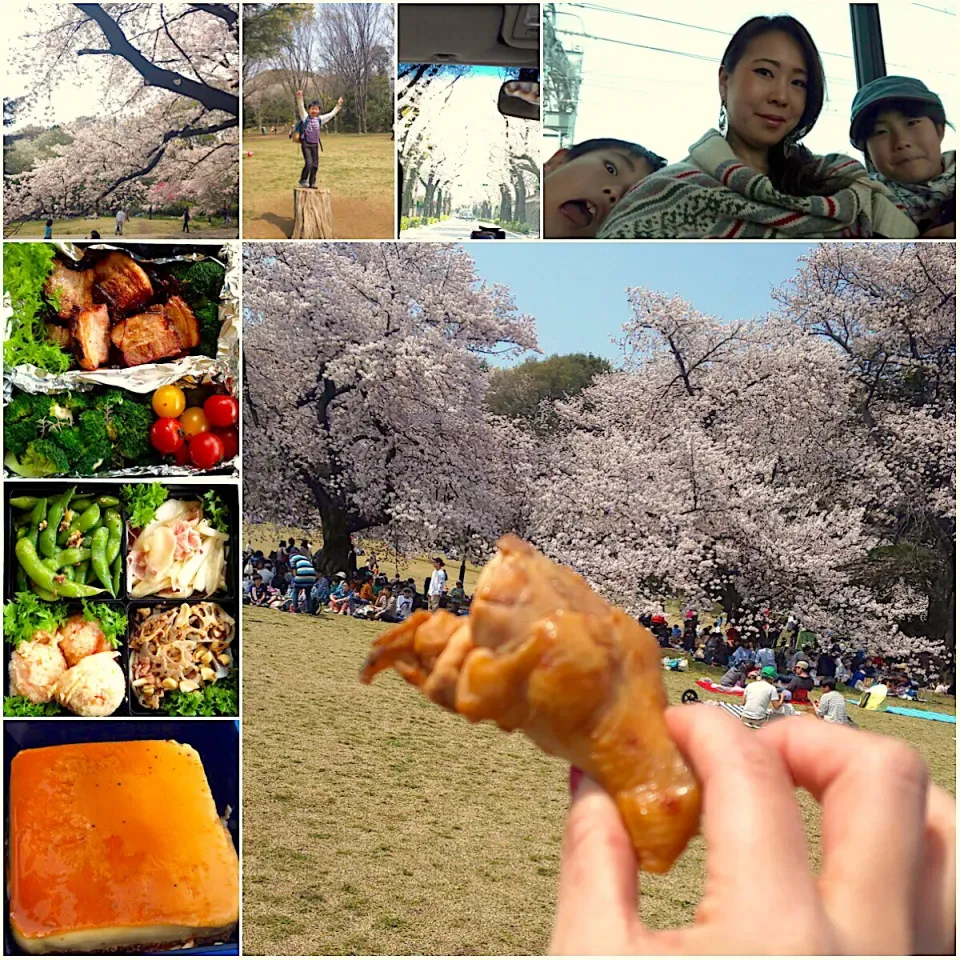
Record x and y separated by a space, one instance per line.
463 162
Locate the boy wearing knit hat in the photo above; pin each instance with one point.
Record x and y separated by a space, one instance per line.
899 125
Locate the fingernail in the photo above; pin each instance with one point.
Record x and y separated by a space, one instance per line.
576 775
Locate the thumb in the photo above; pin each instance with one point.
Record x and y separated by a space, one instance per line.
597 901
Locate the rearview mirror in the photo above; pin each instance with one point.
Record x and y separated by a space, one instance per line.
520 98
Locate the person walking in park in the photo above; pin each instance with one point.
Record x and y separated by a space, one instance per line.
186 221
48 230
121 220
311 120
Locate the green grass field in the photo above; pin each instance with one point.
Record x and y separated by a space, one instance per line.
376 823
136 228
359 170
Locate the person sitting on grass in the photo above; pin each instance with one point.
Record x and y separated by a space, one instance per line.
320 594
457 600
899 126
258 592
385 608
802 681
582 183
736 676
832 706
760 697
311 121
341 597
404 604
366 591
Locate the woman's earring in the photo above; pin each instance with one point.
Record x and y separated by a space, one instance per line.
722 123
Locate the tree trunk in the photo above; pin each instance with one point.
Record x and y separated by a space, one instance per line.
336 539
504 203
520 193
312 215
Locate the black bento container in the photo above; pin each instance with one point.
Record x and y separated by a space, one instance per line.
217 742
229 493
229 606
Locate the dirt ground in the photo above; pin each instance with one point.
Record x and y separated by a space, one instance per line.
376 823
136 228
359 171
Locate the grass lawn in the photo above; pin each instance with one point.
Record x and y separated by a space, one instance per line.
358 169
376 823
136 228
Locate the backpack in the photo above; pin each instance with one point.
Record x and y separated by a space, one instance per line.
298 133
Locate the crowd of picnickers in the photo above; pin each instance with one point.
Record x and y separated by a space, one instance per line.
788 655
291 579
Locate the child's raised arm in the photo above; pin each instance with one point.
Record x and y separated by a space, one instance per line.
327 117
301 109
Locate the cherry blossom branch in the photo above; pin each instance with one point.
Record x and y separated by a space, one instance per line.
154 76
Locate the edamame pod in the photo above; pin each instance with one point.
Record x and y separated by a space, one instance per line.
69 574
47 542
21 579
45 579
22 531
115 572
38 515
41 593
23 503
107 501
81 503
114 526
84 522
83 569
50 563
69 557
98 557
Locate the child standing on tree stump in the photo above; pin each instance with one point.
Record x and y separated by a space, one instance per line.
311 121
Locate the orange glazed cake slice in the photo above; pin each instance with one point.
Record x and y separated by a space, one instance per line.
116 846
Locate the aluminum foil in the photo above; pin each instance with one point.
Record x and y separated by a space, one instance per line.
187 372
149 376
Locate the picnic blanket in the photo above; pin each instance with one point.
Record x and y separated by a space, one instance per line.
706 684
919 714
737 711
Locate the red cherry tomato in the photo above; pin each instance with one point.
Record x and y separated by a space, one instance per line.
166 435
231 443
182 457
221 410
206 450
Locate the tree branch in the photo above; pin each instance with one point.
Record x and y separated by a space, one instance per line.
154 76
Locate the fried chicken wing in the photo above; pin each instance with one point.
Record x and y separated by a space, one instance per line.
181 316
122 282
146 337
73 289
541 652
91 334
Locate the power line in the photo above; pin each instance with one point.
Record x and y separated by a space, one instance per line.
677 23
949 13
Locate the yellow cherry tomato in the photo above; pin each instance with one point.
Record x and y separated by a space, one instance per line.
169 402
193 421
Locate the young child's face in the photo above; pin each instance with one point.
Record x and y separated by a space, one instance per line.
905 149
314 111
579 194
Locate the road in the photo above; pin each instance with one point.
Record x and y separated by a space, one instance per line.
452 230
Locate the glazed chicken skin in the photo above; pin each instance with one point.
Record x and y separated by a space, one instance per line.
122 282
146 337
542 653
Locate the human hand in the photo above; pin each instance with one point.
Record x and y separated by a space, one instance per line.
299 93
340 102
948 230
887 880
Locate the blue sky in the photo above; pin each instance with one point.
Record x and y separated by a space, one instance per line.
576 291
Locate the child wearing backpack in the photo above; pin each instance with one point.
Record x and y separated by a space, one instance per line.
308 131
899 125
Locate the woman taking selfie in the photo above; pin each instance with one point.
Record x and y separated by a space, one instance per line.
753 178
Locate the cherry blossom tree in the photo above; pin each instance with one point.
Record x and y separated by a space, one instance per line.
171 109
363 395
762 464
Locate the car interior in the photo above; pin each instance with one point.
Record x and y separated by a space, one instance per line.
478 34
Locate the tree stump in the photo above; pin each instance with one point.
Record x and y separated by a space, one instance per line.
312 214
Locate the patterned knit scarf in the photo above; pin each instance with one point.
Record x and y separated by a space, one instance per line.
712 194
922 201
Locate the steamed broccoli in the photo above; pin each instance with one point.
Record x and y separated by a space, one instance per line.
42 458
76 433
208 317
128 423
202 281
